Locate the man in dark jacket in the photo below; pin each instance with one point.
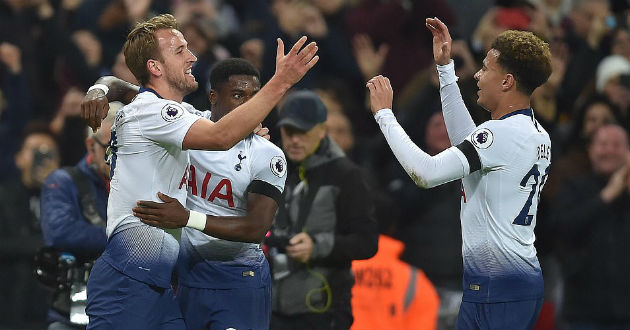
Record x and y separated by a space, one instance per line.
325 221
592 219
76 226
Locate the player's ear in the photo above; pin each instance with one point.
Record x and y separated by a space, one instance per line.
154 67
212 97
508 82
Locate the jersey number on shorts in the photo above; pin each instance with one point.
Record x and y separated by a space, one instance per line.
524 217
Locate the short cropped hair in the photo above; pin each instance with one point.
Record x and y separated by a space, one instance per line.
222 71
526 57
142 45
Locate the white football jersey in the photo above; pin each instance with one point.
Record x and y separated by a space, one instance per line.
498 209
147 158
217 185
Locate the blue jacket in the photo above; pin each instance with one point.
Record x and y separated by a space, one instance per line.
63 224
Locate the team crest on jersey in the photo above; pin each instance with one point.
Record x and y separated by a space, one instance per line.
482 138
278 166
171 112
238 166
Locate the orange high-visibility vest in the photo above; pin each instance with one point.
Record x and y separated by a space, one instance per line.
390 294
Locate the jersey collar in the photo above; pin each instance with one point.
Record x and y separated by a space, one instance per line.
527 112
144 89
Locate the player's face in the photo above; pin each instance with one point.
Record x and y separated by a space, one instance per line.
298 145
177 61
489 80
608 150
236 91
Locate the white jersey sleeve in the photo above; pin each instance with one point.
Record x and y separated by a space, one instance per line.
167 123
269 164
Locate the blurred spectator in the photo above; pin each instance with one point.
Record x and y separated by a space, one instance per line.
613 80
391 294
397 24
591 221
583 34
573 160
23 302
15 106
326 221
70 128
120 69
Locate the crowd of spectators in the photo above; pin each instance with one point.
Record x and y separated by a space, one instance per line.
51 51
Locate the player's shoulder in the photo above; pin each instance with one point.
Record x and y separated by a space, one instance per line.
148 104
260 145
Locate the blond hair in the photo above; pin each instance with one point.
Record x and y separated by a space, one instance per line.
142 45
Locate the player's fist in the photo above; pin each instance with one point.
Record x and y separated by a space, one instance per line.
94 108
381 93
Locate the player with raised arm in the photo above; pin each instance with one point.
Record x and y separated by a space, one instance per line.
129 286
223 275
503 164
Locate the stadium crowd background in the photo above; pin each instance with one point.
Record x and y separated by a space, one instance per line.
52 51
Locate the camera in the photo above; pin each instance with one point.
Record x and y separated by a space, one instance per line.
278 242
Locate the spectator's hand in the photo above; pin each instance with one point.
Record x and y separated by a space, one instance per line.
262 131
94 108
300 247
618 182
369 60
89 45
314 22
460 49
381 93
253 50
137 10
290 68
11 56
441 40
170 214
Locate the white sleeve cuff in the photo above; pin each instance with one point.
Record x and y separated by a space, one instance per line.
446 73
383 113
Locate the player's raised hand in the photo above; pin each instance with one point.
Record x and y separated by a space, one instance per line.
441 40
381 93
94 108
170 214
290 68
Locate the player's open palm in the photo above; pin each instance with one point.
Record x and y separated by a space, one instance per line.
170 214
381 93
290 68
441 40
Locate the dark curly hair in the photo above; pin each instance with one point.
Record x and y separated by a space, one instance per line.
526 57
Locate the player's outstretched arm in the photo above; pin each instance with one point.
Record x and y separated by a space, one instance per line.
249 228
95 104
459 123
426 171
234 126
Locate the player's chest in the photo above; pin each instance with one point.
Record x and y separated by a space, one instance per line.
219 173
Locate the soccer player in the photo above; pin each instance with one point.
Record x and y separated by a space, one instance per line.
223 276
129 286
503 164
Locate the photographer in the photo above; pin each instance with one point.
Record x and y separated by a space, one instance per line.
74 207
325 221
23 303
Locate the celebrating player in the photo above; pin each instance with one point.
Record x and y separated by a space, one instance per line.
130 283
503 164
223 276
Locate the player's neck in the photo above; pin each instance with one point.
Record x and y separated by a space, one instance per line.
514 102
166 91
